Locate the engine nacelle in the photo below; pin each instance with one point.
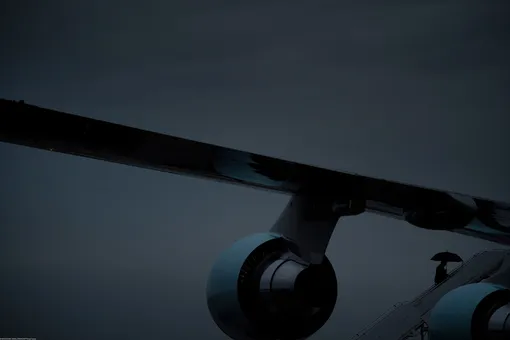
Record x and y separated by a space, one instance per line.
260 288
479 311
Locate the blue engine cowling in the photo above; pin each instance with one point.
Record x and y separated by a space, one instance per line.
259 288
479 311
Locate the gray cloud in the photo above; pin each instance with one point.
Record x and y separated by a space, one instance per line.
415 92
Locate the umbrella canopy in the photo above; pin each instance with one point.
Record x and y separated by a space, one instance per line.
446 256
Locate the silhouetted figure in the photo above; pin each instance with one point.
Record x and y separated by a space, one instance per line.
441 273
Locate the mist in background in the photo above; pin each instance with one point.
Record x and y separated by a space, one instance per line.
409 91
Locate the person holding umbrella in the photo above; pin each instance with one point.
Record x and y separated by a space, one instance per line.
441 273
444 258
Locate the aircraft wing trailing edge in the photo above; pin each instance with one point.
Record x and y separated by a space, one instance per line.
41 128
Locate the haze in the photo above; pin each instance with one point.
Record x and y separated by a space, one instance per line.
410 91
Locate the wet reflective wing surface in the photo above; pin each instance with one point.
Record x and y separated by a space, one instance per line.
56 131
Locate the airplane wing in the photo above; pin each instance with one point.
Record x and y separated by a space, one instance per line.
56 131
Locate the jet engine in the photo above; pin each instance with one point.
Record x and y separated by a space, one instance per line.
479 311
260 288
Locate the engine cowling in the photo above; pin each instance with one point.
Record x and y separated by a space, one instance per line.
479 311
260 288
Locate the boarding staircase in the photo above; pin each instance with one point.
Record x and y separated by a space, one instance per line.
409 320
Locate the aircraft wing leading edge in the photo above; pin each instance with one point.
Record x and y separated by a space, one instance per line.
56 131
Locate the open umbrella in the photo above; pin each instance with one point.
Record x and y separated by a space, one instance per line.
446 256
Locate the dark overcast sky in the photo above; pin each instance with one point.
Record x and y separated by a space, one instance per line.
415 91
